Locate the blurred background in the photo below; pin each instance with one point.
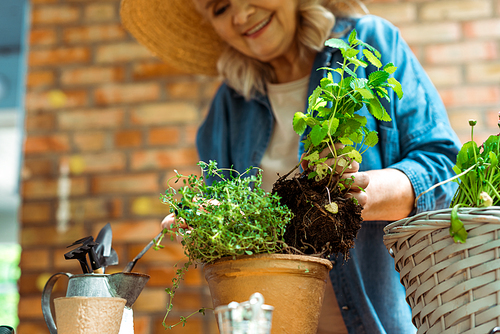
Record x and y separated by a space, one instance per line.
92 126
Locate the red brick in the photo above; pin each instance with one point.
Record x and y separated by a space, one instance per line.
91 75
460 52
190 135
94 33
128 93
455 10
125 184
164 113
91 119
37 167
467 96
491 118
183 90
97 162
40 79
36 212
47 188
396 13
162 276
46 144
163 158
40 121
100 12
43 36
28 282
55 99
484 72
151 300
482 28
459 119
96 208
154 70
142 231
50 236
121 52
26 309
194 325
89 140
168 135
34 259
431 33
33 326
58 56
59 14
128 138
210 87
142 325
148 206
445 75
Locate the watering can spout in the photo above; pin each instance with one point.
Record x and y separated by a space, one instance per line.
127 285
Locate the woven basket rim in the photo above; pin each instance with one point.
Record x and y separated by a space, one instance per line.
438 219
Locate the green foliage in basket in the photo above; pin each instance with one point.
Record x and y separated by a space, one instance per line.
478 178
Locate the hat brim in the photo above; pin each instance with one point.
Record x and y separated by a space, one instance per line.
175 32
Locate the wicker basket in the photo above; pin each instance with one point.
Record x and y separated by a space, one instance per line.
451 287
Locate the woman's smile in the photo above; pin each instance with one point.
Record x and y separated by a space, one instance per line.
258 29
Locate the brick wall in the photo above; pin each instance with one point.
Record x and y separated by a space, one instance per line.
107 123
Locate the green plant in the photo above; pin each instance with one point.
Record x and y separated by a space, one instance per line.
231 217
333 105
478 178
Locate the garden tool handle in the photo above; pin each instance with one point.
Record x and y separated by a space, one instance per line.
47 291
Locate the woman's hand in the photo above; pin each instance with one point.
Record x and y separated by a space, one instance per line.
170 223
361 179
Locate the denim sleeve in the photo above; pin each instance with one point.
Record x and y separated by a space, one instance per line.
428 146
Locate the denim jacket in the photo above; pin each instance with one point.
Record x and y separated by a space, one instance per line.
418 141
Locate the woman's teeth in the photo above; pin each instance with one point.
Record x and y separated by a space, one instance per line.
259 26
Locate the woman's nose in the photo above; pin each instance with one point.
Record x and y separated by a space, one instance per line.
242 11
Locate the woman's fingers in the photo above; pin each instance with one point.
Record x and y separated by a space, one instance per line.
169 221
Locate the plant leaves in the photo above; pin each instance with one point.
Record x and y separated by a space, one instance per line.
299 123
352 37
354 154
371 139
337 44
372 59
457 228
318 133
378 77
377 110
390 68
396 86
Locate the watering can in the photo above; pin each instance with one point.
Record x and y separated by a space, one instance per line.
249 317
123 284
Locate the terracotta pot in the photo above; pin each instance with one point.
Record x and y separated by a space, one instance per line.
89 315
293 284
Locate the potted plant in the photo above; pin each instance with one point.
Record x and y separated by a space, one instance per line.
252 241
449 260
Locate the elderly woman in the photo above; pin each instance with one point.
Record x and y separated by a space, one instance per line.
268 53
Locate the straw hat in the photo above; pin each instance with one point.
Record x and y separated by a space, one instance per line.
175 32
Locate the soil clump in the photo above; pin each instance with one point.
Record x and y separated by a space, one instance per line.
314 230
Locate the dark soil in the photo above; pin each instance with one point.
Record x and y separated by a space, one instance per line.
314 230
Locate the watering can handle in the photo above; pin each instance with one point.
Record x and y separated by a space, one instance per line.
47 291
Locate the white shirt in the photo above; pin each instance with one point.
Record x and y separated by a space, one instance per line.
281 155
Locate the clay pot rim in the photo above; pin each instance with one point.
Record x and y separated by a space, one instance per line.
304 258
